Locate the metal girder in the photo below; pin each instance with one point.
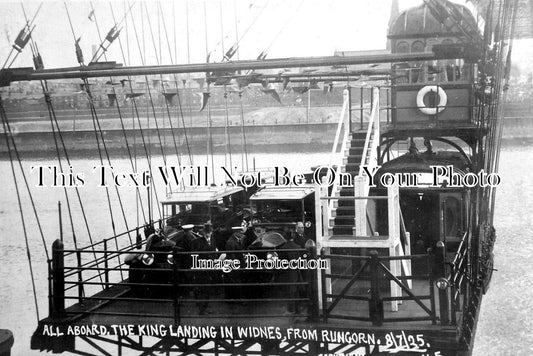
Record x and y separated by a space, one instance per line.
23 74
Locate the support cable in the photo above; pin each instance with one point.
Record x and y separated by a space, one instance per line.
178 155
94 117
125 138
26 242
177 88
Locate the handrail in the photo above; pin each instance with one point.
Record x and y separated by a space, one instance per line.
342 123
373 125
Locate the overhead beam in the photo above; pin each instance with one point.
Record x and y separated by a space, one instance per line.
26 74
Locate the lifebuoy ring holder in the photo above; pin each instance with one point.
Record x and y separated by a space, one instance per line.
443 100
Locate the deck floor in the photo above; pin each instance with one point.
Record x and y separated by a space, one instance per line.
249 313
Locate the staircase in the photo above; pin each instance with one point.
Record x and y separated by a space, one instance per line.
345 222
344 213
361 148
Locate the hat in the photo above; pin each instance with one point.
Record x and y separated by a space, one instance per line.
299 224
187 227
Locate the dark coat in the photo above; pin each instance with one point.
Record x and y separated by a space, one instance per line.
290 275
234 243
300 240
200 244
184 241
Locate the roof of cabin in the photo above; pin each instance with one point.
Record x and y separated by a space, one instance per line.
421 162
200 194
282 193
419 21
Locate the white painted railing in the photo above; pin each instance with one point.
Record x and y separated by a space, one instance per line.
370 151
341 138
369 158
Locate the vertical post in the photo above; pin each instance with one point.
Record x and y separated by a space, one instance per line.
435 101
322 189
388 105
430 263
393 202
325 227
319 235
58 279
106 265
349 109
80 277
360 206
149 205
371 103
175 281
377 94
323 291
375 303
440 272
377 123
362 97
312 280
60 221
50 289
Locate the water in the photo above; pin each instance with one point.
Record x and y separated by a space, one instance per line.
505 325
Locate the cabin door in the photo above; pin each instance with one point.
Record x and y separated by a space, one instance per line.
451 219
420 213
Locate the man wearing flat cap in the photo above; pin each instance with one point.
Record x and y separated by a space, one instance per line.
184 239
204 242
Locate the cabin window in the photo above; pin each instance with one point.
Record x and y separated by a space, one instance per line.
169 210
418 46
402 47
402 73
452 217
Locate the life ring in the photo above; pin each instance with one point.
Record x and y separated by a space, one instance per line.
443 100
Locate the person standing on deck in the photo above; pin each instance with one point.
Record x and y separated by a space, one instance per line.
204 243
235 243
290 276
184 239
299 236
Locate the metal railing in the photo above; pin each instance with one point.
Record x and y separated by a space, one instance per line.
171 290
371 278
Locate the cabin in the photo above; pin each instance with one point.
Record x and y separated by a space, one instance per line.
198 205
278 207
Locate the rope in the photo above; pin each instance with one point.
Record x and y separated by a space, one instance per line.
164 92
26 242
238 40
209 151
177 89
124 134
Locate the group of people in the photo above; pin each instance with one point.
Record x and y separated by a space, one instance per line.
210 244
